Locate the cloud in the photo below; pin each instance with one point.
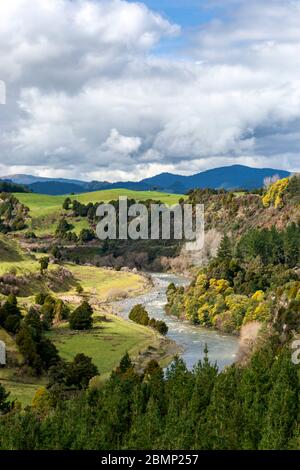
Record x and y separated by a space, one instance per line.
87 96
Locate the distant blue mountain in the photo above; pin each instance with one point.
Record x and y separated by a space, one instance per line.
228 177
56 188
31 179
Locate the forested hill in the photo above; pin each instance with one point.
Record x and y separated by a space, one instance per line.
255 275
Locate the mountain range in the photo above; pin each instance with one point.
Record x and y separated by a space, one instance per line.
229 177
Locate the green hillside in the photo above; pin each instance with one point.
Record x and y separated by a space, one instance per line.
9 250
41 204
45 210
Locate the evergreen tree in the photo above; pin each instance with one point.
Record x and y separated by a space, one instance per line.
125 364
5 404
225 249
44 263
82 317
67 203
283 404
80 371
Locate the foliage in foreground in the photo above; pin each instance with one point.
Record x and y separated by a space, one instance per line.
256 407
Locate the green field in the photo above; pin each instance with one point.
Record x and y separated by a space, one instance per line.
102 283
22 392
106 343
41 204
45 210
9 250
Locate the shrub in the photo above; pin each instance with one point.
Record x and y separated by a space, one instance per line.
81 371
139 315
12 323
275 193
44 263
81 318
161 327
86 235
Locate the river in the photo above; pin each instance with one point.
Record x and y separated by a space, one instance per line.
222 348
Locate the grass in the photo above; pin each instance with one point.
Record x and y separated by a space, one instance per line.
9 250
22 392
24 267
97 282
101 282
42 204
45 209
47 225
106 343
21 389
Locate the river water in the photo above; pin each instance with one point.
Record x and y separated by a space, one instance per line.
222 348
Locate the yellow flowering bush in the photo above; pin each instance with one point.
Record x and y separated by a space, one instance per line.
258 296
274 194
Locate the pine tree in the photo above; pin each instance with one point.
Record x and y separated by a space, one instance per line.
82 317
225 249
283 403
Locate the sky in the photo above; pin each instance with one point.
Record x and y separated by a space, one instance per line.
123 90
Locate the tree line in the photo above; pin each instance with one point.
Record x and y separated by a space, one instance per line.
253 407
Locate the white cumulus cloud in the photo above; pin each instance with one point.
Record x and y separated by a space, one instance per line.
89 96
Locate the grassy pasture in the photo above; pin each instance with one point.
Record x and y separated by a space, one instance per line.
45 210
106 343
9 250
99 282
43 205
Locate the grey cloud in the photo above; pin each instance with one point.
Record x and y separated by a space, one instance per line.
87 96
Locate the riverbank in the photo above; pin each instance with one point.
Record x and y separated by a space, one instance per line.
191 339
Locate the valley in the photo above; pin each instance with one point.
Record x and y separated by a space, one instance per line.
230 310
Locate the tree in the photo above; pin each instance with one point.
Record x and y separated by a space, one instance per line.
81 371
61 311
66 204
5 405
12 323
27 347
33 321
282 404
10 315
125 364
41 402
153 368
225 249
56 252
86 235
63 228
44 263
292 245
47 314
81 318
139 315
40 298
48 353
79 289
161 327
